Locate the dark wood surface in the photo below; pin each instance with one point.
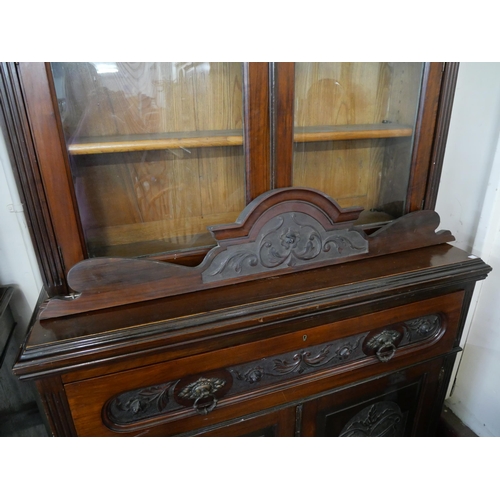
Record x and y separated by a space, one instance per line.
283 78
257 129
443 124
424 136
26 169
86 360
320 233
314 290
52 161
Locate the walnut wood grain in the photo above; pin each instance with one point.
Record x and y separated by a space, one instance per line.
282 113
443 124
53 163
53 399
424 135
97 280
154 331
256 129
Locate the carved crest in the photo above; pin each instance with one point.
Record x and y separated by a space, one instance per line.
281 231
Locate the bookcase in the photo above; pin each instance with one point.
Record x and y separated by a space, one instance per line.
238 248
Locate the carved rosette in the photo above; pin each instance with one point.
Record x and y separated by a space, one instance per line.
423 327
291 239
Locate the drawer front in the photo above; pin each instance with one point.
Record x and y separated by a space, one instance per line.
195 392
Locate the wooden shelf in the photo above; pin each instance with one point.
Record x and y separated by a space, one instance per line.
213 138
351 132
175 140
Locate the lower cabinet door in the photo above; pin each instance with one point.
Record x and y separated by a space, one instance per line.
278 423
405 403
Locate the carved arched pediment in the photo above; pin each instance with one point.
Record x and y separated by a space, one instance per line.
282 231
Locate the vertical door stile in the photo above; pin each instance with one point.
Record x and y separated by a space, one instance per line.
257 144
52 161
283 90
424 136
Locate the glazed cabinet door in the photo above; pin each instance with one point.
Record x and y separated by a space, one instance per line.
363 133
138 159
405 403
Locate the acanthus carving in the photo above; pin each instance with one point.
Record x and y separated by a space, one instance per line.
383 419
141 404
288 240
323 355
423 327
306 359
133 405
281 231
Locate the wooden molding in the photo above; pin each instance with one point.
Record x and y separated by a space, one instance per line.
28 175
282 231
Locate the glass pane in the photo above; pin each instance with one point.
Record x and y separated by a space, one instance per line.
156 152
354 131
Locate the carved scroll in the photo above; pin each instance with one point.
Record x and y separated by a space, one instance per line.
281 231
139 405
383 419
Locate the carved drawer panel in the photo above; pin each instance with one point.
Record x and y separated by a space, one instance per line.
189 393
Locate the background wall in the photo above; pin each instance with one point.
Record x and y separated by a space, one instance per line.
18 268
469 205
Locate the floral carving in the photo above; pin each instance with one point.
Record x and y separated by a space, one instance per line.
423 327
380 419
132 405
302 360
288 240
251 376
306 359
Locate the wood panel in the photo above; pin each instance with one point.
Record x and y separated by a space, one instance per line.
279 423
26 169
282 137
257 127
424 136
167 197
52 161
447 93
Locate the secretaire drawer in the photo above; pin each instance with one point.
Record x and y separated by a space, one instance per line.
166 398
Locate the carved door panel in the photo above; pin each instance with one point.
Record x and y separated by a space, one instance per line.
280 423
397 405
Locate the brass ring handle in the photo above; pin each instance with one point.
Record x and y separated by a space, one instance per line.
204 410
386 351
